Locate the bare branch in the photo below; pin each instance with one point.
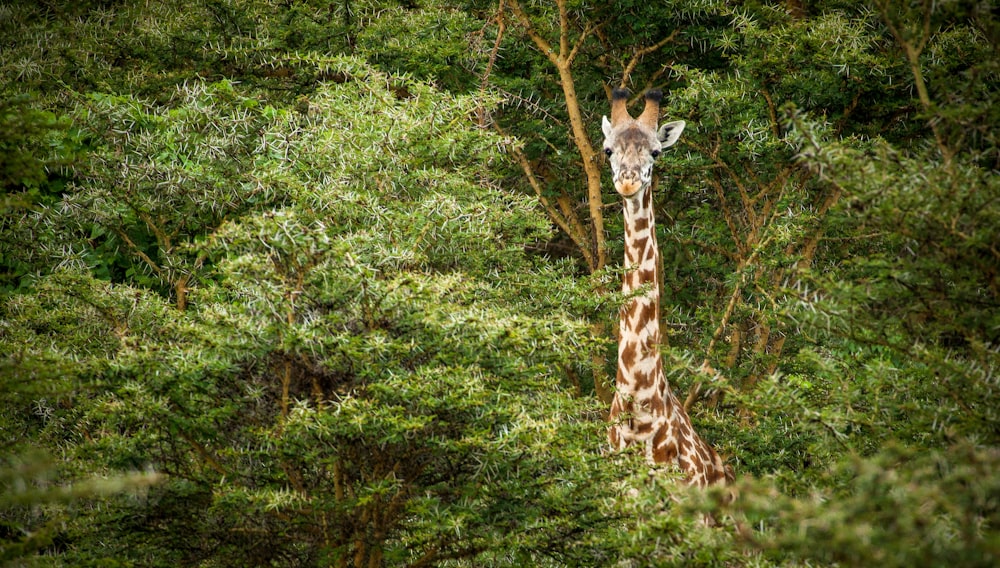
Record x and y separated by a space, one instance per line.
727 213
539 41
581 138
563 29
579 43
642 52
714 155
771 112
139 252
501 27
566 220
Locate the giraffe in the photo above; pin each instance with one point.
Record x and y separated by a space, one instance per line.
644 409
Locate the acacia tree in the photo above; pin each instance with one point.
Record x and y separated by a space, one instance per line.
776 203
345 387
890 382
370 368
760 216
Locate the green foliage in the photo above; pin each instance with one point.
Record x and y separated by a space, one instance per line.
941 504
30 143
340 377
276 297
897 313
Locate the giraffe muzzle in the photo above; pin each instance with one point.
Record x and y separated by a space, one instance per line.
628 187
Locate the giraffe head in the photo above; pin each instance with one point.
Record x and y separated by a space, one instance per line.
632 144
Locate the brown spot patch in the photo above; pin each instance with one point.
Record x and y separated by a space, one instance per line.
631 256
632 280
628 355
650 253
642 380
681 461
684 429
703 454
663 450
647 200
639 243
646 314
629 312
683 446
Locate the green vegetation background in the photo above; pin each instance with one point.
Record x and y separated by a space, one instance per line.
329 283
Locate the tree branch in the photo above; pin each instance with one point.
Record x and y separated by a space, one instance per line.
539 41
204 453
714 155
501 27
563 29
642 52
579 43
566 220
727 214
138 252
706 367
581 139
772 112
913 50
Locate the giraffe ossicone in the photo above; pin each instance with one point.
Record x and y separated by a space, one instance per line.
644 409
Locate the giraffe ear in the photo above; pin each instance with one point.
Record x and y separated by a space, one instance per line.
670 132
606 127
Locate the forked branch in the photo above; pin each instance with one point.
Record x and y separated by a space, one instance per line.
642 52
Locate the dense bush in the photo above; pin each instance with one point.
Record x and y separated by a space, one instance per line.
328 284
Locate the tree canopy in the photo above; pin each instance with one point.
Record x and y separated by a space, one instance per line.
331 283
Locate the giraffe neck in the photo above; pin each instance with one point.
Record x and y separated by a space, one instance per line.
644 407
641 251
640 388
639 323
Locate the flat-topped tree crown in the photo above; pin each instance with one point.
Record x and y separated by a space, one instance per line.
632 144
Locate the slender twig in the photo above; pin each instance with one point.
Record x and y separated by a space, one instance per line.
642 52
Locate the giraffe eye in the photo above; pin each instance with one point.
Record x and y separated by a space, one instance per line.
608 152
655 153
